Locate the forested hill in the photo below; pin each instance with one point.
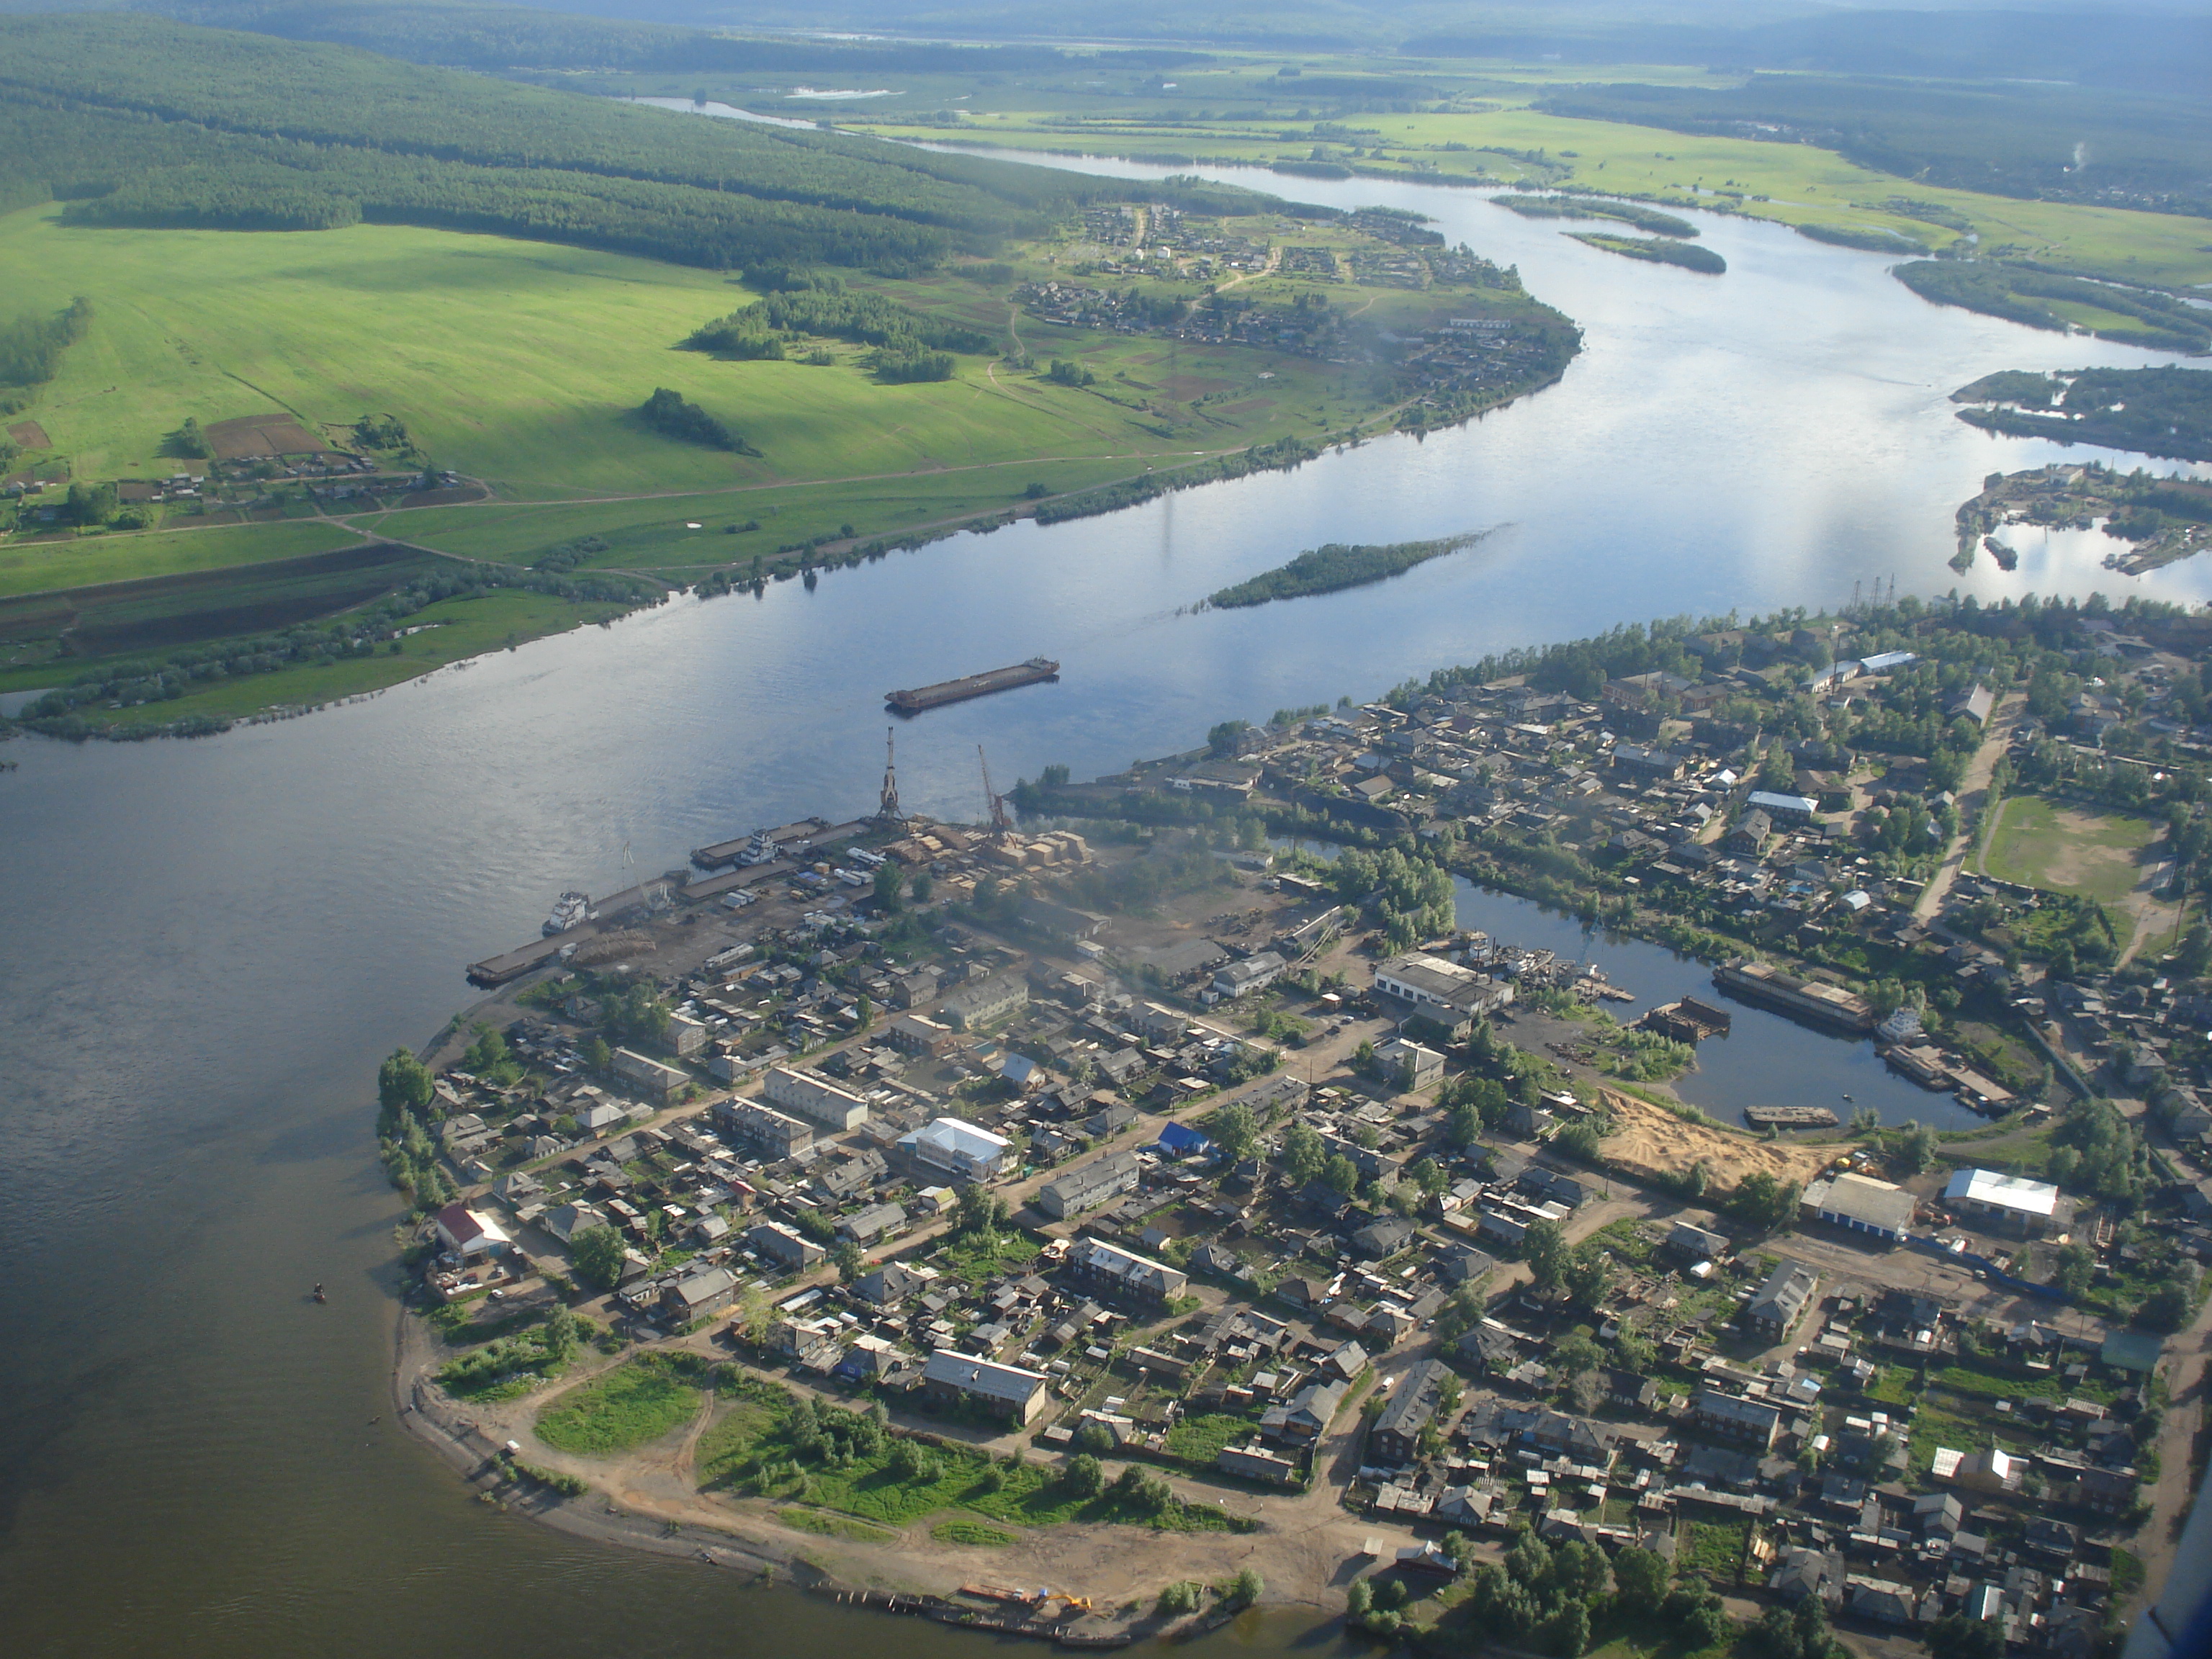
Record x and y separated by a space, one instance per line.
495 37
140 121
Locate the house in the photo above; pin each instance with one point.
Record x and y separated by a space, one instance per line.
984 1000
1974 705
1409 1065
1749 1422
1257 1463
1411 1409
1087 1186
1551 1186
771 1133
1629 1393
1991 1470
1181 1140
786 1246
648 1074
1862 1204
1783 809
699 1296
958 1147
466 1232
565 1221
1009 1393
1417 984
888 1285
2008 1203
1774 1311
1383 1237
1694 1244
1647 765
815 1098
913 1033
878 1221
684 1036
1099 1266
1804 1571
1254 973
1305 1416
1884 1602
1752 833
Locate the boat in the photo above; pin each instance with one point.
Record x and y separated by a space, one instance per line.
761 849
571 908
1035 672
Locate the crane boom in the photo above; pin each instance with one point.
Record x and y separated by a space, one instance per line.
1001 826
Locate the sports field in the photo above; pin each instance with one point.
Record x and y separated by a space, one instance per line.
2067 849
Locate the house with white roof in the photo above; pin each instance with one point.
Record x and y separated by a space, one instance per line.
958 1147
2011 1203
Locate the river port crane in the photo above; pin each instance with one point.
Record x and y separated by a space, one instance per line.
888 811
1002 825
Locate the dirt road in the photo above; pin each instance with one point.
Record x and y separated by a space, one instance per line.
1973 796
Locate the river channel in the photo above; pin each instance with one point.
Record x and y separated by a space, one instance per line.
209 945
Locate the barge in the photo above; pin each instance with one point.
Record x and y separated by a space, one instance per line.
1809 998
1035 672
1789 1117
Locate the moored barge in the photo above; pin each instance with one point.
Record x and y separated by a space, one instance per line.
1034 672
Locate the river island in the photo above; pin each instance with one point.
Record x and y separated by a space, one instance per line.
1155 1203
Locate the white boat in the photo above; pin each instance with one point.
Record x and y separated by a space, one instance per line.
570 908
759 850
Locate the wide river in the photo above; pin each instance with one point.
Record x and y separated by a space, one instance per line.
209 945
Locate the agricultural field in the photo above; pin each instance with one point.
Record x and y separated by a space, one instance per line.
2065 849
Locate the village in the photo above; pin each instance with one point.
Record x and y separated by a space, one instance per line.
1054 1150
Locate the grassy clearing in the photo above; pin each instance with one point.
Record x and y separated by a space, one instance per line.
2066 849
1715 1549
1197 1441
637 1401
835 1526
974 1533
751 1450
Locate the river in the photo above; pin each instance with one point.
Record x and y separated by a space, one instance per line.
210 944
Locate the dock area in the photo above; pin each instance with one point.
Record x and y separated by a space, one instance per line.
726 851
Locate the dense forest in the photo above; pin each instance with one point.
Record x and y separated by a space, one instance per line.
2151 411
2021 294
136 121
1327 569
2140 152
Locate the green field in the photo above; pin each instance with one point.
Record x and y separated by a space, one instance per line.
34 566
637 1401
2066 849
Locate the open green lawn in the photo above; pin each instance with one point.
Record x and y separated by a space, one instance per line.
2067 849
638 1400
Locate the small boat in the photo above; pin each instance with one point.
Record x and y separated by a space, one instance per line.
570 908
1847 1096
319 1297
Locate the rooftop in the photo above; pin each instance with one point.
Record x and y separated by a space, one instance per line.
2004 1192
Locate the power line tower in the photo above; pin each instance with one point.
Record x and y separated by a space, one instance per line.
1001 824
889 811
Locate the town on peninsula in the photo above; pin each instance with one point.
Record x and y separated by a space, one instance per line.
1150 1201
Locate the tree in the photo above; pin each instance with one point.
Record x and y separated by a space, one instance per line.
890 883
598 1056
852 1261
1083 1476
1341 1173
863 1014
1304 1154
979 1213
559 1334
90 503
1235 1129
1544 1246
1589 1274
1915 1148
1246 1588
1640 1581
1566 1633
924 888
404 1083
1761 1201
2076 1265
597 1254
